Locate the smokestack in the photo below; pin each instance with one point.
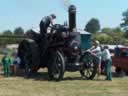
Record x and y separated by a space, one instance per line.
72 17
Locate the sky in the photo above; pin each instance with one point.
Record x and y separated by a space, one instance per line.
28 13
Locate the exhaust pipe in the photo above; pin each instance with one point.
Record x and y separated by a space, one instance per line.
72 17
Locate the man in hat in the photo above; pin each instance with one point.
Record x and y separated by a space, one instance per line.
96 49
6 61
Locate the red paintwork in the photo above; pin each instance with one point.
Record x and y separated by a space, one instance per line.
121 62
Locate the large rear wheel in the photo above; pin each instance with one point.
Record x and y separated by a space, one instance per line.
29 53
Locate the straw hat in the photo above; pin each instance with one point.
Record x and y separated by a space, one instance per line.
97 42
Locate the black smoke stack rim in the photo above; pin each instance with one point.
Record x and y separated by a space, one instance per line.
72 8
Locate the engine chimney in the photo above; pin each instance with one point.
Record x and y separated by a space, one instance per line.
72 17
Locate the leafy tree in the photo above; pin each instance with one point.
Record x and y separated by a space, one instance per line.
110 36
126 34
113 32
19 31
125 20
93 25
107 30
7 32
124 25
103 38
117 29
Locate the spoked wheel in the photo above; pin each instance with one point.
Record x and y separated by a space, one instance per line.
56 67
90 65
28 52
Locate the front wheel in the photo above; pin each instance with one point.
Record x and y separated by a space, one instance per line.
56 66
90 65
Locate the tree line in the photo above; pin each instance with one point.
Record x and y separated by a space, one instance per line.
12 37
108 35
19 31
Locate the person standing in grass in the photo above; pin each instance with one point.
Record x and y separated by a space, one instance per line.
106 57
16 64
6 61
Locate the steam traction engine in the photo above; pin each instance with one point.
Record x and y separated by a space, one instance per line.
63 52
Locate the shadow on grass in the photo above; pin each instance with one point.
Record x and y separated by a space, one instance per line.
43 76
118 75
73 78
40 76
99 80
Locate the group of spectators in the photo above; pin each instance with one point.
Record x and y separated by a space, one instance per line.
10 66
104 55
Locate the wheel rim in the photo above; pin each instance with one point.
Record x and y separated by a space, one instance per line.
90 68
57 66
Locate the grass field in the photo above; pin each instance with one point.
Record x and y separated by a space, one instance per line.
72 85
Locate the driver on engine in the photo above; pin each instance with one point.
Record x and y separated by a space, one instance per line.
44 24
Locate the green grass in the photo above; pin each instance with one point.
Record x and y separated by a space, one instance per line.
72 85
